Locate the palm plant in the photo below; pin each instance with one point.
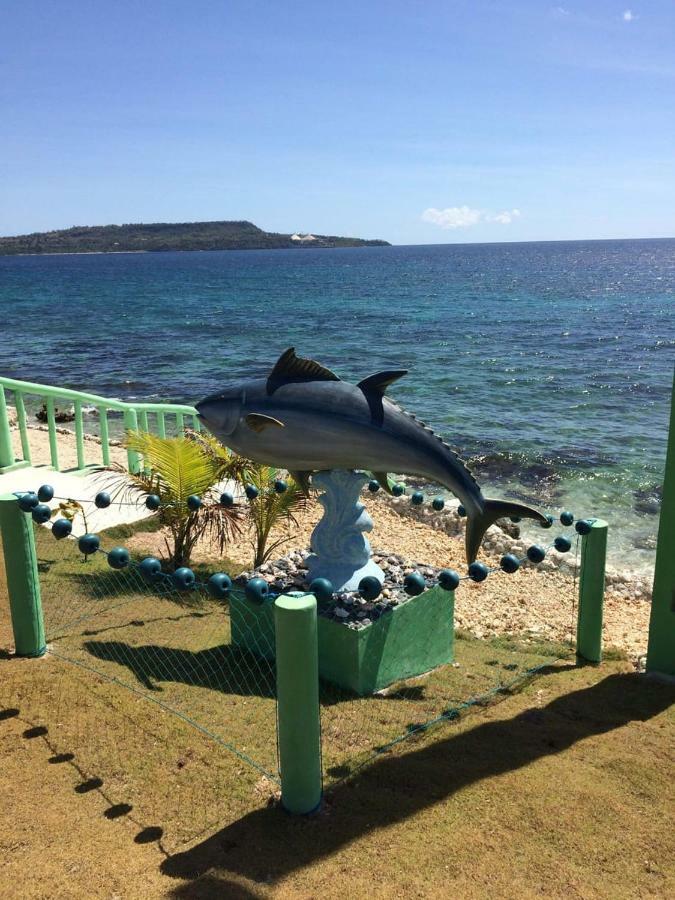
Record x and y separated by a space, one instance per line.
276 502
175 469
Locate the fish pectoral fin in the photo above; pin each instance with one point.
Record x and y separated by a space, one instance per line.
383 479
380 381
302 479
258 422
493 510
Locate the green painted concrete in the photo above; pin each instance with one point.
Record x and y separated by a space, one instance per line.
23 582
661 647
592 592
6 451
411 639
298 716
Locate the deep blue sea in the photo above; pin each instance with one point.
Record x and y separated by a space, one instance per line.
549 365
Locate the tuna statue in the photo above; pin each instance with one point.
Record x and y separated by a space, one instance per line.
304 419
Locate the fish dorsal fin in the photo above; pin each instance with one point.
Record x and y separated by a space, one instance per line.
380 381
289 368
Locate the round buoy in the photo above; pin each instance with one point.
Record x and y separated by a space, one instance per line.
509 563
150 568
153 501
194 502
219 585
118 558
28 500
478 571
373 486
566 517
256 590
88 544
548 523
535 553
438 503
226 500
183 578
562 544
448 579
102 500
461 511
251 491
62 528
583 526
45 493
417 498
280 486
370 587
322 589
397 490
414 584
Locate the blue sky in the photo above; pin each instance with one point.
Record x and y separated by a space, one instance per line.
418 122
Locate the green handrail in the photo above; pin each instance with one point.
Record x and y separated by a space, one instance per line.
133 413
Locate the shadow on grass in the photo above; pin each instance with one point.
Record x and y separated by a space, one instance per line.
399 786
224 668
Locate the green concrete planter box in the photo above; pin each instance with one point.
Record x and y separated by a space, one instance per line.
408 641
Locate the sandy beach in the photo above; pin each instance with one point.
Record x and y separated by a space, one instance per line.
537 600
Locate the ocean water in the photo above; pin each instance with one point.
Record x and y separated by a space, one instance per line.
548 365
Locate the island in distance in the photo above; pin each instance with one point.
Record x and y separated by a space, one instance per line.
167 236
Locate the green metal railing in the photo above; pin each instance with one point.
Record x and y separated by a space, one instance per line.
151 417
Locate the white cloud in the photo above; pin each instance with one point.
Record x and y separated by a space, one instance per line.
628 15
465 216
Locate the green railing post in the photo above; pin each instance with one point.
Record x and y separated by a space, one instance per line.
299 725
23 425
6 449
79 435
51 424
661 646
131 424
23 582
105 437
592 592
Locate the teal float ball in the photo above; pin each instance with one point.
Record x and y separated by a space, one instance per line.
226 500
150 568
41 513
438 503
102 500
562 544
566 518
322 589
183 579
583 526
280 486
219 585
45 493
28 500
62 528
515 519
118 558
153 501
535 553
461 510
397 490
251 491
88 544
257 590
414 584
417 498
448 579
509 563
373 486
478 571
194 502
548 523
370 587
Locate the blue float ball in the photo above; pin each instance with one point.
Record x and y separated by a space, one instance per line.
370 587
153 501
194 502
583 526
219 585
562 544
280 486
45 493
322 589
448 579
535 553
251 491
509 563
373 486
88 544
62 528
566 517
414 584
417 498
548 523
150 568
478 571
28 500
515 519
226 500
118 558
438 503
397 490
41 513
183 579
461 511
102 500
257 590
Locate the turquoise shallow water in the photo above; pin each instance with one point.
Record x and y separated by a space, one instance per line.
549 365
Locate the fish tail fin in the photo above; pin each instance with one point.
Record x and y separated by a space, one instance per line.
477 525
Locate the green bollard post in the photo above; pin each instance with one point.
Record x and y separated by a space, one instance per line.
298 717
23 582
661 646
592 592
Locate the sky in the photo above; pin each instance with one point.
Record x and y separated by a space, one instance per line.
422 122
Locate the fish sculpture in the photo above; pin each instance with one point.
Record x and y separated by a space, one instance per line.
303 418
